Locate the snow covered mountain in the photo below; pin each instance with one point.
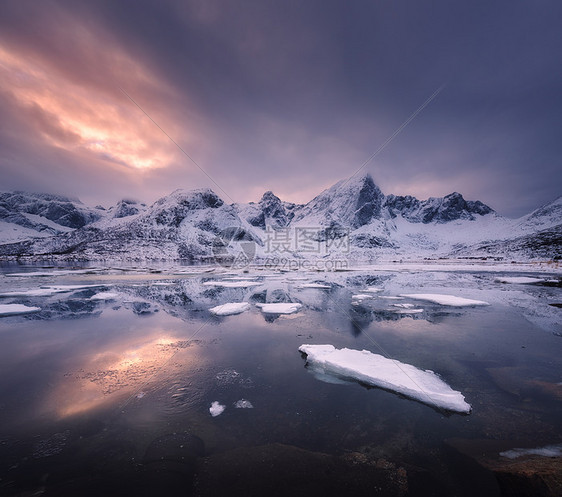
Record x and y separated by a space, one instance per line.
350 203
187 225
270 211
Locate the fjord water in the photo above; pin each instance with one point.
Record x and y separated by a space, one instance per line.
91 388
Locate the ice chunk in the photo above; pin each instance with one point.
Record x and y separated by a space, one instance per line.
216 409
315 285
230 308
47 291
243 404
548 451
374 369
104 296
232 284
372 289
52 273
280 308
361 296
449 300
518 280
71 288
37 292
12 309
406 309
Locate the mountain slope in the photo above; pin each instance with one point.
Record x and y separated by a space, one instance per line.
182 225
352 219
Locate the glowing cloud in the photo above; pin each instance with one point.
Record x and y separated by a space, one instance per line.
97 122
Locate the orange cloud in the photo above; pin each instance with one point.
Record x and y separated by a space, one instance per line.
91 117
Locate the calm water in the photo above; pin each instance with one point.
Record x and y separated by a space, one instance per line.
89 389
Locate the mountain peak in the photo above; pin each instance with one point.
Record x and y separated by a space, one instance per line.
269 196
351 202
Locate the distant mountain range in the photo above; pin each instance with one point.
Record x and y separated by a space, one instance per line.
352 219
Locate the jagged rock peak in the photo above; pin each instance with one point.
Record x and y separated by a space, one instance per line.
273 210
127 207
269 196
351 202
172 209
57 208
441 210
200 198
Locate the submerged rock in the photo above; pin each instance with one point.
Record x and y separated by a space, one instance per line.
536 475
283 470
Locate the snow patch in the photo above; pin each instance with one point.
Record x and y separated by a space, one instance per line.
376 370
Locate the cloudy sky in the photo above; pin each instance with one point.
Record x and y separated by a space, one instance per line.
289 96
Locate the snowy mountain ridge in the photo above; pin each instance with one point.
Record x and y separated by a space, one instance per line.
186 224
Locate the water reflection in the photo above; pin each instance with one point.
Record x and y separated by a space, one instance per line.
150 363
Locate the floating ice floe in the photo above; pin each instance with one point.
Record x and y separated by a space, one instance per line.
376 370
243 404
372 289
230 308
519 280
406 309
232 284
47 291
315 285
449 300
361 296
36 292
34 274
548 451
104 296
216 409
280 308
12 309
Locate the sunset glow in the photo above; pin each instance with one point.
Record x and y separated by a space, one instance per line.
272 99
103 125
